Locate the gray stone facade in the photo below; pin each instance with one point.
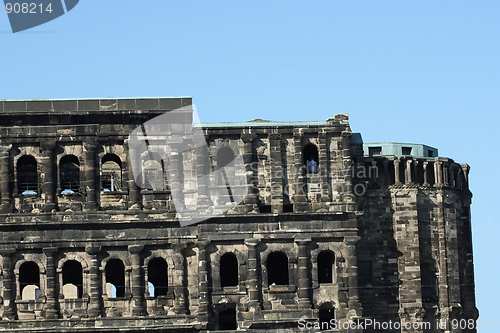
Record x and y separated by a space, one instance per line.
84 249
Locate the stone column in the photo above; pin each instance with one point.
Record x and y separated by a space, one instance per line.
179 285
276 173
387 179
249 158
438 173
89 182
446 179
8 284
95 303
47 175
203 168
299 198
353 302
175 170
408 178
204 305
137 280
50 310
323 168
5 179
465 169
253 284
424 166
133 189
451 175
303 264
397 180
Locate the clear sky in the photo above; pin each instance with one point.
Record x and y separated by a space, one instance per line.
409 71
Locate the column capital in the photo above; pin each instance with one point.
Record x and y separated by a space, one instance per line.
93 250
274 136
465 167
248 138
5 150
135 249
302 241
351 240
178 247
252 241
7 252
202 245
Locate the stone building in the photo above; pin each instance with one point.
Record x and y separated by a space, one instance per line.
368 232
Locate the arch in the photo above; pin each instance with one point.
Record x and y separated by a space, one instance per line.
429 281
326 314
69 174
153 174
29 274
158 276
310 157
277 268
72 274
111 173
115 276
27 175
229 270
326 261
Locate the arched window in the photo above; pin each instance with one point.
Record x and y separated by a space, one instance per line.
325 267
111 173
27 175
225 157
29 280
277 269
115 278
153 175
69 174
158 277
228 270
310 158
72 276
326 314
429 282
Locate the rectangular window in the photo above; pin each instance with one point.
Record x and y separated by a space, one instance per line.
375 151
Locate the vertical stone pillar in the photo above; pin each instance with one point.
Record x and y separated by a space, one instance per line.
50 310
304 284
438 173
253 284
323 168
465 169
397 180
408 177
175 170
48 178
276 173
446 179
451 175
133 189
204 305
299 198
426 180
346 161
8 284
137 280
5 179
95 303
202 168
249 158
386 180
353 303
89 182
179 285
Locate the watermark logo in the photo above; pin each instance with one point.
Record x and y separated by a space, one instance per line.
25 15
171 149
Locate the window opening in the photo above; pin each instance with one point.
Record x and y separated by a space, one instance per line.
326 314
72 278
158 276
311 158
406 150
69 174
374 151
27 175
29 280
229 270
111 173
325 267
115 276
227 319
277 269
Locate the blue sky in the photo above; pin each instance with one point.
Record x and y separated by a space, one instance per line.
424 72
